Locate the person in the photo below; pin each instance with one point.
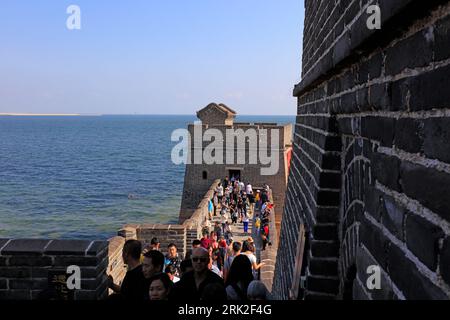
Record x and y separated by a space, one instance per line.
134 285
257 200
219 191
264 196
214 293
216 262
196 244
213 240
267 189
258 224
245 221
234 214
263 208
185 266
192 285
257 291
171 272
210 209
173 258
215 203
223 247
223 208
241 186
248 189
236 250
160 287
224 220
251 200
228 234
239 278
206 225
218 229
240 207
155 244
248 249
225 182
265 235
153 263
245 202
205 240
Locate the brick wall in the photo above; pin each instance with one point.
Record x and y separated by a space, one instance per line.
116 267
26 266
370 171
269 256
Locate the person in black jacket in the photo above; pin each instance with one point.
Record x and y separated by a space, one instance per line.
134 286
192 285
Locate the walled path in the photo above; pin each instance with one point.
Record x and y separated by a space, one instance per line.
238 231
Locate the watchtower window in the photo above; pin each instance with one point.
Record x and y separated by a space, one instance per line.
205 175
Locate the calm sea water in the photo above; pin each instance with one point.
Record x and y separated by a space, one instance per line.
70 177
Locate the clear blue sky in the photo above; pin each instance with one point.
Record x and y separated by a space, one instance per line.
150 56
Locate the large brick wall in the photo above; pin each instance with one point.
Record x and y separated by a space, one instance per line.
26 266
370 171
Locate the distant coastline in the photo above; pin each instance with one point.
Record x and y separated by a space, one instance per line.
45 115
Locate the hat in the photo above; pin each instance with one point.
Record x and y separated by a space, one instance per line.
250 239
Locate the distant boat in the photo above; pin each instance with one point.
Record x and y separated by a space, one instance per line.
132 197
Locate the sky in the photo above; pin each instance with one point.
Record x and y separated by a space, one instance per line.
150 56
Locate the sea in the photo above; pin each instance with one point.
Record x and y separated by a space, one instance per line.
84 177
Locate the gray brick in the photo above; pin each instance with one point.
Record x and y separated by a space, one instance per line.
441 36
423 90
15 272
427 185
418 49
393 216
422 238
25 247
386 169
445 261
406 276
67 247
379 128
30 261
436 135
409 135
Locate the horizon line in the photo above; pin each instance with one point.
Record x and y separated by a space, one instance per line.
119 114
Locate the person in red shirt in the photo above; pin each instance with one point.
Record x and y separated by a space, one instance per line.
205 241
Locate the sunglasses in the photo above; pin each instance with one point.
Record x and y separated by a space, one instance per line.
200 259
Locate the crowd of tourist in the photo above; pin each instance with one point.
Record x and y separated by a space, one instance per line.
215 268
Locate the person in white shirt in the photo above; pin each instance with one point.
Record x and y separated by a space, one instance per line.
248 249
219 191
263 207
241 186
249 189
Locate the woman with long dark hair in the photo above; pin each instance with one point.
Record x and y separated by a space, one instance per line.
248 250
160 286
239 278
